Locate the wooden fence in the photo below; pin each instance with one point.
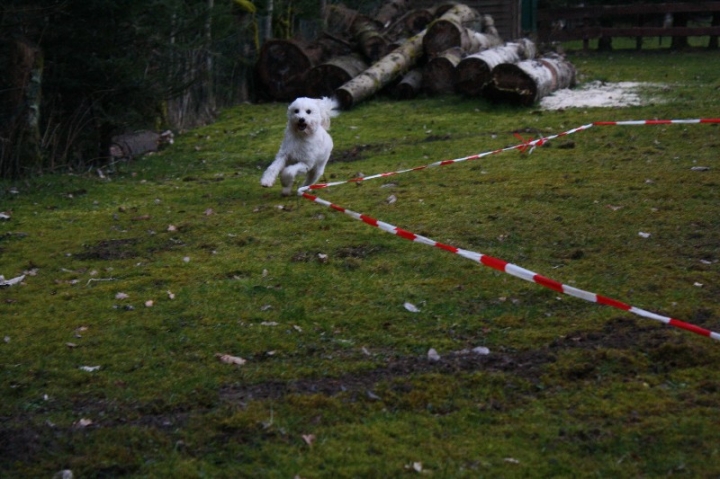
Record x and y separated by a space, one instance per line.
605 22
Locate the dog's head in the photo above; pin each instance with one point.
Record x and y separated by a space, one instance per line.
306 115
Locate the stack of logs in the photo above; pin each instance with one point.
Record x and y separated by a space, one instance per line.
450 48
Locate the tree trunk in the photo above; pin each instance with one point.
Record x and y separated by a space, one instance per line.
474 72
381 73
410 85
439 74
526 82
323 79
22 130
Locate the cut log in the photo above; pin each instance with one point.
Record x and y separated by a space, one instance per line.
339 19
392 10
410 24
439 73
474 72
410 85
366 32
323 79
448 31
528 81
381 73
133 145
282 64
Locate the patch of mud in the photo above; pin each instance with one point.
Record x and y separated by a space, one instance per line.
599 94
666 349
524 364
356 153
110 250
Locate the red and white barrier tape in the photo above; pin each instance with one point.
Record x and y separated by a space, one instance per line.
504 266
524 146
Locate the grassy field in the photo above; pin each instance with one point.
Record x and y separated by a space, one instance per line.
139 281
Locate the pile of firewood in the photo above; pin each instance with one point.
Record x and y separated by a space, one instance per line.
444 49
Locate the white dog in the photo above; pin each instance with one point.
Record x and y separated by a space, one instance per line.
307 145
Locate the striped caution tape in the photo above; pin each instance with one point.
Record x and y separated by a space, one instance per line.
528 146
515 270
504 266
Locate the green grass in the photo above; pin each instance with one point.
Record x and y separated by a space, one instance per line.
569 389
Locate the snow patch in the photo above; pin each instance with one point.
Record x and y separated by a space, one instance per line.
599 95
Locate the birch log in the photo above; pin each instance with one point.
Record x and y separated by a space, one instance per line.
439 73
474 72
323 79
448 30
528 81
282 64
410 85
381 73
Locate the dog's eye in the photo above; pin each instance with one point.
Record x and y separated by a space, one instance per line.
308 112
297 110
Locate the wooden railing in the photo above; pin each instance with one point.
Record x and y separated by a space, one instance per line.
605 22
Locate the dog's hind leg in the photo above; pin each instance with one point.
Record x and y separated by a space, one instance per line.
314 174
287 177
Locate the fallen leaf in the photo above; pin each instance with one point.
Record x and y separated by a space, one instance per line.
171 295
309 439
172 228
209 212
4 215
511 460
149 303
64 474
433 355
121 296
644 235
391 199
84 422
482 350
411 307
71 345
90 368
700 168
10 282
228 359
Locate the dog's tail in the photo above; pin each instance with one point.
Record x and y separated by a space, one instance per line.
330 108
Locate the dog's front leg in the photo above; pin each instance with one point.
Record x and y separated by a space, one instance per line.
272 172
287 177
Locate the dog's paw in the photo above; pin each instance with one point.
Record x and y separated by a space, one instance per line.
287 191
266 183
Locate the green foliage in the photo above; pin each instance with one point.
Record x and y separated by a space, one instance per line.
337 382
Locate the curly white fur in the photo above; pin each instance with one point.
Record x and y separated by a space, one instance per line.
307 145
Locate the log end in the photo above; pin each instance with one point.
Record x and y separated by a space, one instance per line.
439 77
471 77
510 84
345 98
